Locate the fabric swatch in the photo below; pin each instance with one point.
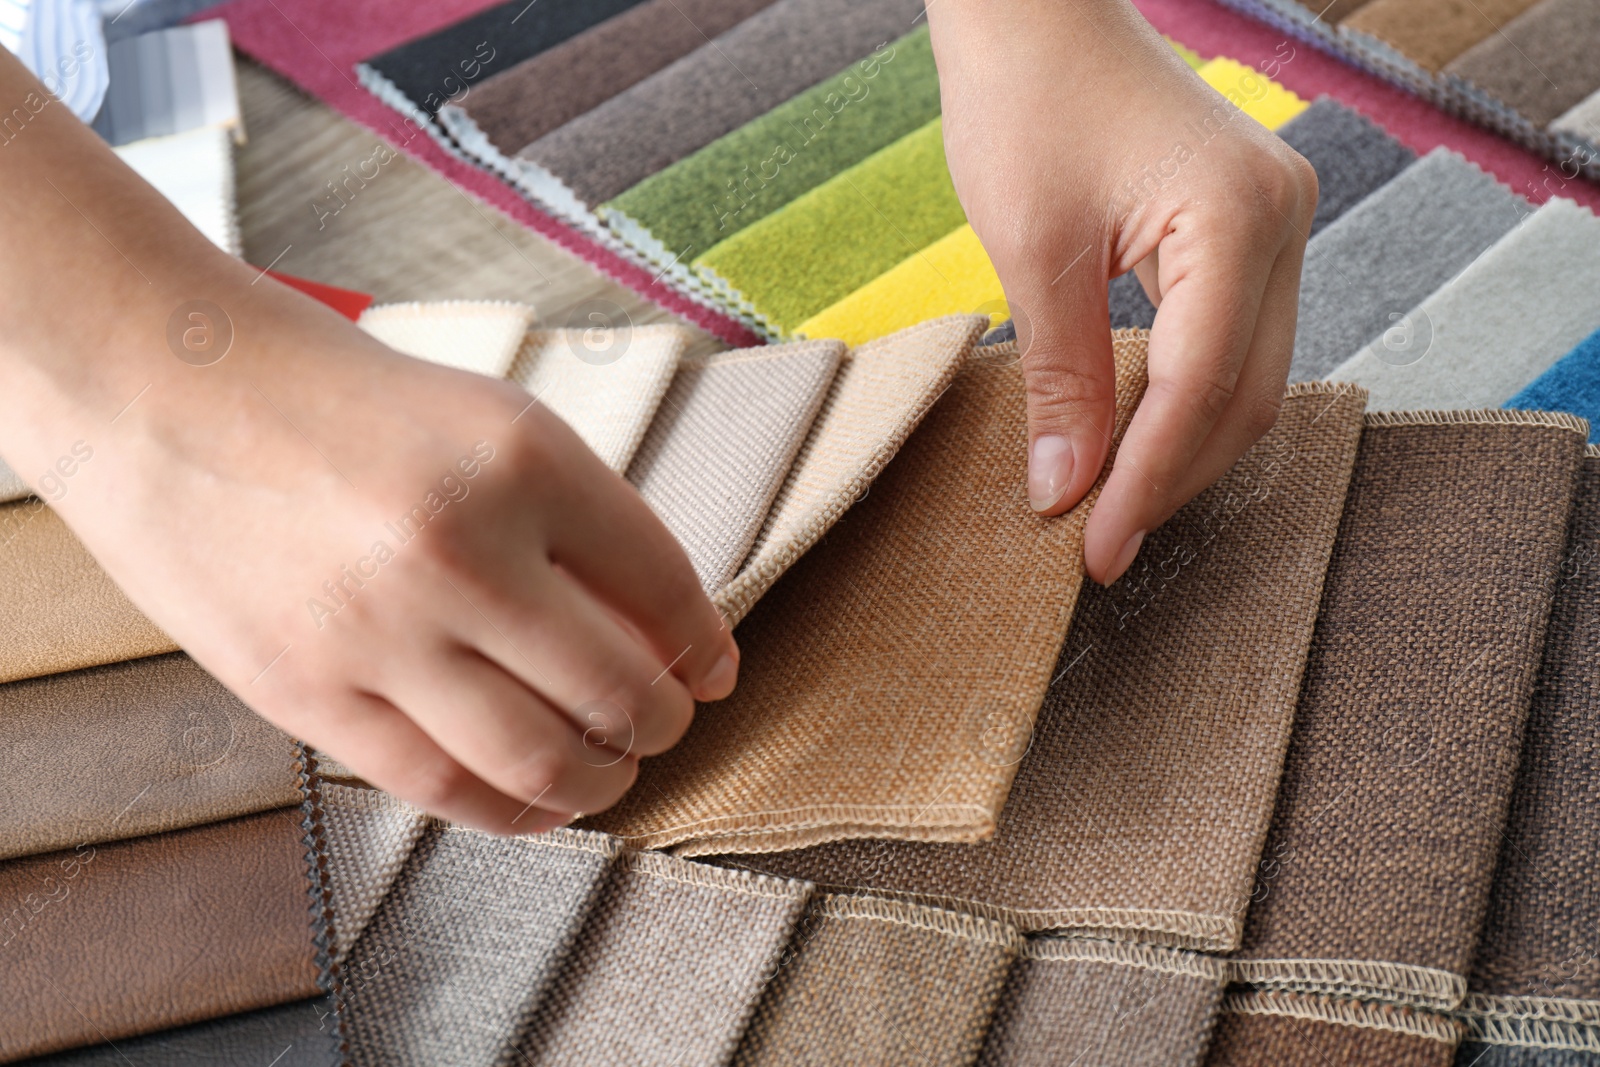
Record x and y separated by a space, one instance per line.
791 45
1430 33
1276 1029
874 981
169 82
1540 64
1376 873
370 835
193 170
301 1034
463 948
877 398
106 941
605 383
1497 326
58 609
1479 1054
476 335
1105 1004
346 302
12 487
722 443
1393 250
1151 688
1571 384
840 235
862 711
1582 120
669 966
682 212
130 749
1252 92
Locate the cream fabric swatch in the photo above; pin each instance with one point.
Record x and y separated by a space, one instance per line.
12 487
723 441
604 383
194 170
475 335
1582 120
370 834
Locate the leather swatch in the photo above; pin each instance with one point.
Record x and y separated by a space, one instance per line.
1153 687
862 711
881 982
1275 1029
1571 384
722 443
369 835
301 1034
668 967
58 609
111 940
1541 63
1376 873
130 749
1430 33
194 171
477 335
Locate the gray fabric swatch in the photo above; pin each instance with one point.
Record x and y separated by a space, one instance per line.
1130 307
1478 1054
1351 155
301 1034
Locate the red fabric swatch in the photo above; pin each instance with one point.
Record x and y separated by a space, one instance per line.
346 302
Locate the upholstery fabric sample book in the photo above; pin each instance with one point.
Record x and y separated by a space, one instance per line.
1152 688
1430 33
476 335
111 940
462 950
722 443
1571 384
1103 1004
1376 874
1365 272
301 1034
169 82
863 710
130 749
369 836
680 213
604 383
1476 342
879 395
193 170
669 966
1251 92
58 609
791 45
1277 1029
880 982
1540 64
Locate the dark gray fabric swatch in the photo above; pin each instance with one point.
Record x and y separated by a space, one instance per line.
1351 155
301 1034
1130 308
1478 1054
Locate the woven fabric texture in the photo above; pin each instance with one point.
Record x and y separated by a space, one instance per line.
1430 33
877 982
193 170
604 383
58 609
862 711
1152 688
462 950
1540 64
475 335
1390 252
1582 120
1295 1030
1571 384
369 836
111 940
1478 1054
130 749
1104 1004
1252 92
1352 156
669 966
722 443
298 1035
1513 312
1377 869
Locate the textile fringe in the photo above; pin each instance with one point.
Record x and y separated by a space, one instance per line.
934 920
1424 987
1343 1012
1556 420
1126 954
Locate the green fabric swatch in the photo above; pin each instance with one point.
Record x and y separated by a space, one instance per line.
683 211
1188 55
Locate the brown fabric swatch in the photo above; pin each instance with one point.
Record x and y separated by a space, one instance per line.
1105 1004
863 710
1377 869
104 941
1541 64
869 981
1163 733
131 749
1259 1029
58 609
1431 33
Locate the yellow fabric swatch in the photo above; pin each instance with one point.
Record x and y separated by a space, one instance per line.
1188 55
1252 92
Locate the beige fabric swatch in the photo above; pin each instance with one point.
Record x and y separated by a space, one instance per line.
875 675
475 335
369 836
722 443
604 383
193 170
58 610
1582 120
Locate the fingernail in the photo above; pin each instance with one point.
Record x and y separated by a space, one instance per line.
1124 558
719 681
1049 471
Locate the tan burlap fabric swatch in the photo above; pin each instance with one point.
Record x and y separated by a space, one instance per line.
869 981
1278 1029
1376 874
1143 797
369 835
879 674
1096 1003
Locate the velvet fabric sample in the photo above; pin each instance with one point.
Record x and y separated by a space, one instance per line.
193 170
1272 1029
1572 384
301 1034
1582 120
1375 878
58 609
477 335
722 443
369 836
1430 33
870 636
130 749
790 46
874 981
1512 313
1540 64
1104 1004
107 941
462 950
169 82
1252 92
1393 250
1351 155
669 966
1150 687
